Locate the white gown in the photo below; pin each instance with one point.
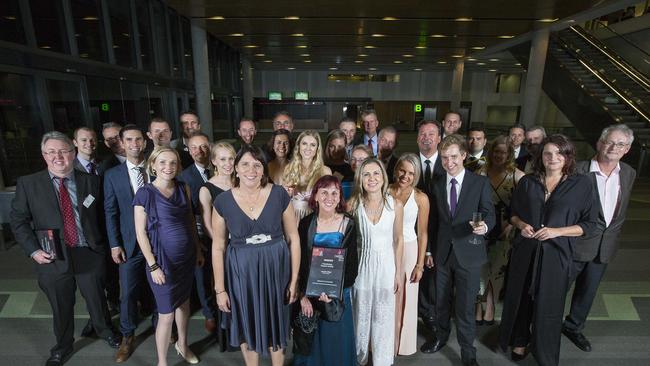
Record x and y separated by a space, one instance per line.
374 300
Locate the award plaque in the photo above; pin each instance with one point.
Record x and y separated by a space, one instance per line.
326 272
50 242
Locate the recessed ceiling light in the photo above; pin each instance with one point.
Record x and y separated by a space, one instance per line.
548 20
89 18
297 35
334 68
46 47
378 35
457 56
388 18
9 17
358 61
291 68
301 46
293 17
304 54
236 34
471 59
441 62
372 68
216 17
517 64
363 55
407 55
417 69
369 47
307 61
464 19
398 62
480 63
250 46
494 59
492 70
437 36
506 37
478 47
260 55
421 47
268 61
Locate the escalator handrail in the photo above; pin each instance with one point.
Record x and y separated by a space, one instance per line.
623 65
622 37
594 70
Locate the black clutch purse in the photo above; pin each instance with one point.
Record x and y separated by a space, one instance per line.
306 324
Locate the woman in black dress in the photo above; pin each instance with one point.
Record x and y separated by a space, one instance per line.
550 208
335 156
256 269
222 157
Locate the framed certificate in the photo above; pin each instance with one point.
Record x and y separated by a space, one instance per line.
326 272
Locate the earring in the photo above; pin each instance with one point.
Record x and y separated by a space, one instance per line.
153 171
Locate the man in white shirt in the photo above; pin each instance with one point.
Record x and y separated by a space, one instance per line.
517 135
190 123
593 251
85 140
370 126
476 157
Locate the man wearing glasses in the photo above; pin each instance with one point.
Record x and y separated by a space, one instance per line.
282 120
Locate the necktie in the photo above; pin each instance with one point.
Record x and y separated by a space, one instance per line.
453 197
427 174
208 173
92 168
370 145
69 224
139 179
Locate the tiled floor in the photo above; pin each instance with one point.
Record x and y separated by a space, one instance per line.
619 327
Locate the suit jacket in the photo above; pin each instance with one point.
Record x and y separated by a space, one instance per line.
390 167
602 243
522 158
454 233
80 167
475 165
193 178
36 207
183 152
107 163
432 227
118 204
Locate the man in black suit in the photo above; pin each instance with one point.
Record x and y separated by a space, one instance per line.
387 144
517 135
428 140
67 203
159 134
534 137
190 124
451 124
370 131
349 128
613 179
85 140
460 250
195 176
476 140
111 134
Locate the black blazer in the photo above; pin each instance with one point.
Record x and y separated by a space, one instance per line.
602 243
522 158
183 152
193 178
432 228
36 207
107 163
455 233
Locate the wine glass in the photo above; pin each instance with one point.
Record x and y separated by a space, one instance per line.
477 217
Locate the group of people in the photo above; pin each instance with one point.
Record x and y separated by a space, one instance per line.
457 221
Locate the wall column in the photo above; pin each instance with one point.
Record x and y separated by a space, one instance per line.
247 86
202 76
457 85
534 76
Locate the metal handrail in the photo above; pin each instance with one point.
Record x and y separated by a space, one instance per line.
622 37
623 65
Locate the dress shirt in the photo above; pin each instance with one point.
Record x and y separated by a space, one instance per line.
432 159
375 145
133 176
120 158
608 189
202 172
517 151
85 163
478 155
459 184
71 185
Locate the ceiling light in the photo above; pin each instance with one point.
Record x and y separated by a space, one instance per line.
334 68
297 35
260 55
494 59
250 46
478 47
268 61
464 19
437 36
236 34
216 17
388 18
398 62
291 68
548 20
372 68
307 61
457 56
471 59
378 35
301 46
46 47
492 70
506 37
363 55
9 17
517 64
417 69
304 54
358 61
407 55
421 47
292 17
481 63
441 62
369 47
89 18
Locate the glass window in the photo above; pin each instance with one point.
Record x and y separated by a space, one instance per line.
120 15
65 105
160 30
89 30
135 101
20 128
220 114
144 31
175 32
105 99
187 48
11 28
49 27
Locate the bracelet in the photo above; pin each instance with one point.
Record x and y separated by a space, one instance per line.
153 267
221 292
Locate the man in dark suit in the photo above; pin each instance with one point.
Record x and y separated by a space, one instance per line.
370 131
190 124
195 176
517 135
387 144
476 140
247 130
534 137
349 128
428 140
460 250
159 134
111 135
613 179
451 124
68 203
120 185
85 140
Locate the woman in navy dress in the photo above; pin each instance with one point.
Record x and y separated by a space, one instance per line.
166 233
256 271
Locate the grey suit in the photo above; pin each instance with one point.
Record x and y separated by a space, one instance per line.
594 250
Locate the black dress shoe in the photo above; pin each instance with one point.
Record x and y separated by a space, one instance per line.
578 339
471 362
114 340
432 347
480 322
88 330
429 323
488 322
58 358
516 357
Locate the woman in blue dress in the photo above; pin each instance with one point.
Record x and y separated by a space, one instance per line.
256 271
332 342
166 233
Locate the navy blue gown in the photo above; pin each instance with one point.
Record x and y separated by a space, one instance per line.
168 228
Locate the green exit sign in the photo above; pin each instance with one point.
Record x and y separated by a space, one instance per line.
105 107
417 107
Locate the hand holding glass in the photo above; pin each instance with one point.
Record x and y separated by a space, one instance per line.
477 221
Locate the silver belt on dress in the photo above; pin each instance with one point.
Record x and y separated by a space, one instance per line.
258 239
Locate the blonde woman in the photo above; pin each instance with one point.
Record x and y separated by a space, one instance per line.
222 157
380 243
303 171
416 209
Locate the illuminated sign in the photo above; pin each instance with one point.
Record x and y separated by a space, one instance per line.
417 107
301 95
275 95
105 107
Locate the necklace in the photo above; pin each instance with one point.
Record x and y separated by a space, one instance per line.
375 212
251 207
328 220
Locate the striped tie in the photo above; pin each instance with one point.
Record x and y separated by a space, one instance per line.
139 177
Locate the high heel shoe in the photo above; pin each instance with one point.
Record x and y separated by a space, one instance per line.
190 357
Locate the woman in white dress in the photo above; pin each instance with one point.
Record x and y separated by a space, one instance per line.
380 242
303 171
416 209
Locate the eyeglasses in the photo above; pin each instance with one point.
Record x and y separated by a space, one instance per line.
57 152
617 145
